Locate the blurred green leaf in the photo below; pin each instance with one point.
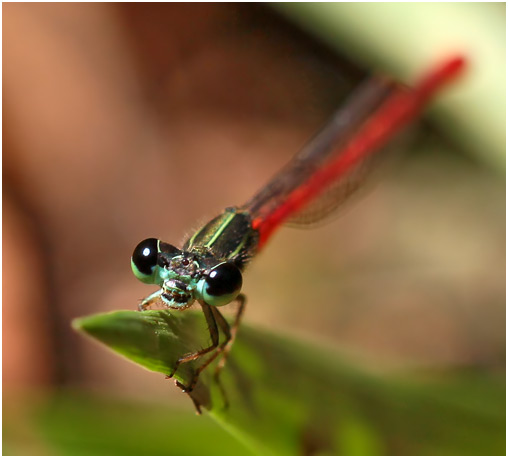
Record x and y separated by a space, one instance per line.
75 423
287 397
406 38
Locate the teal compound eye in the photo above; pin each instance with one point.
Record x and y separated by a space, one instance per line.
222 284
144 260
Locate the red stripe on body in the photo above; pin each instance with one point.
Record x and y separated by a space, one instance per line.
399 109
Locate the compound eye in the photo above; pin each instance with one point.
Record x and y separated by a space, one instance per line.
144 260
221 285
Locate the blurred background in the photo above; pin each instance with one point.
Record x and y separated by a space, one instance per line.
128 121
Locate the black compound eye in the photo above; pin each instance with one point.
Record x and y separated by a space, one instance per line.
223 280
144 257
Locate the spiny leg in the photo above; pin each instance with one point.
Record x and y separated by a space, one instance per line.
214 334
147 301
196 403
225 327
228 344
224 347
242 300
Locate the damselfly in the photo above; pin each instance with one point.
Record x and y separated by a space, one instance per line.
208 268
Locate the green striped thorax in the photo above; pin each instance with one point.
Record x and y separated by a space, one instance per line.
208 268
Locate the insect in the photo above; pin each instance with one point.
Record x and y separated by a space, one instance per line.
208 268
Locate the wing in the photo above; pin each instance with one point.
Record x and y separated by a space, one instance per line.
344 123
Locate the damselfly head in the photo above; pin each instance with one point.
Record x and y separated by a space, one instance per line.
220 285
185 276
148 256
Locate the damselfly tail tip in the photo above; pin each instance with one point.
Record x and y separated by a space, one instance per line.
453 66
442 74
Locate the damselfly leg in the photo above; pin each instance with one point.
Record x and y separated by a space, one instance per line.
215 320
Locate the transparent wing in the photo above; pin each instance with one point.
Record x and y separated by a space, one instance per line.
327 206
324 146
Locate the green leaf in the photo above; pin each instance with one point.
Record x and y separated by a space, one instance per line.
71 422
287 397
